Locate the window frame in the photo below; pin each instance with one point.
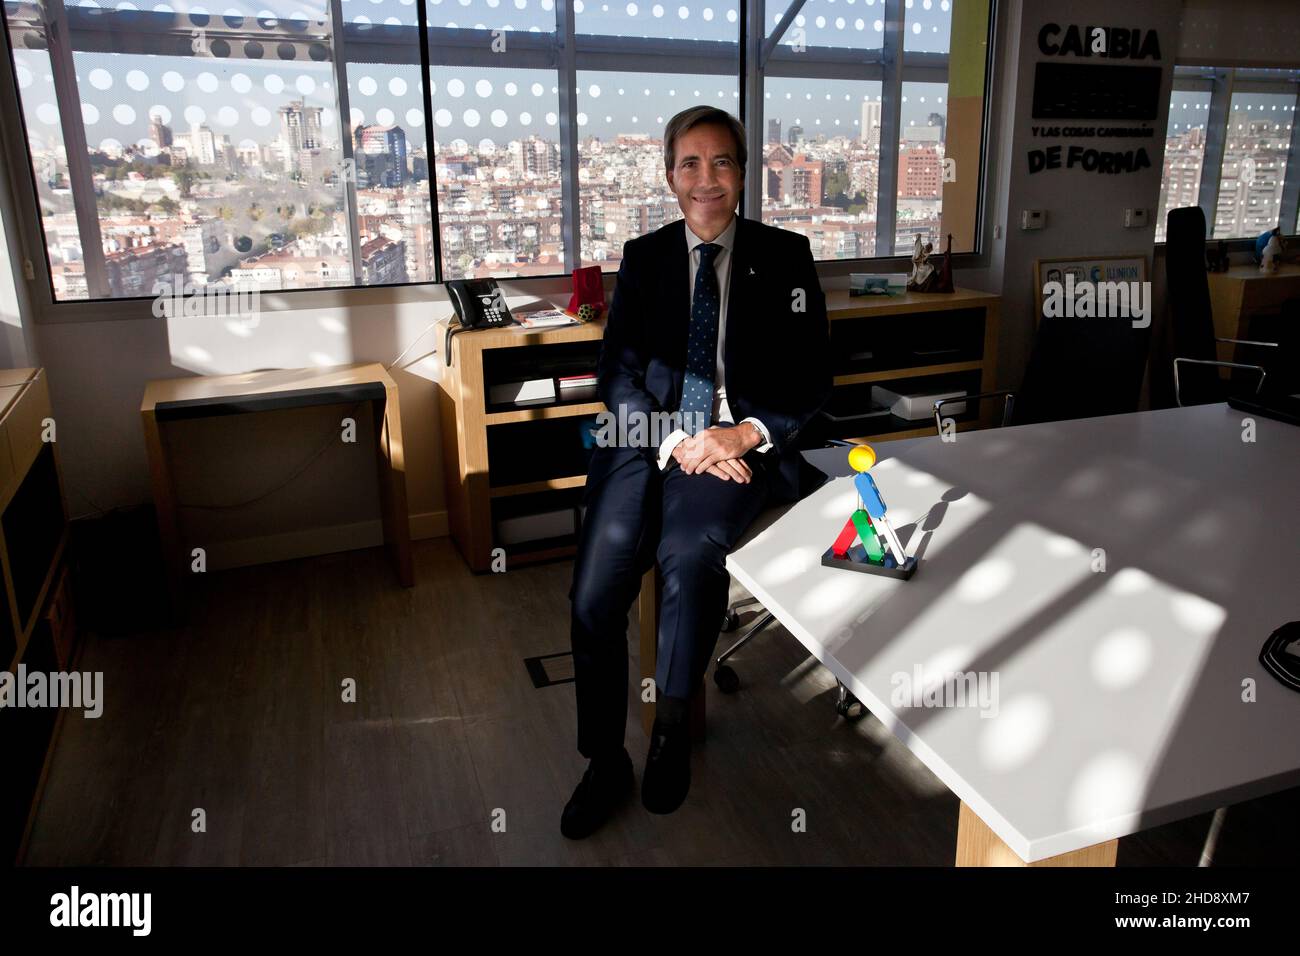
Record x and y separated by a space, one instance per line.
568 54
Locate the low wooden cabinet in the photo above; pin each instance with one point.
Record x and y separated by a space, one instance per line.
36 626
501 460
33 514
944 342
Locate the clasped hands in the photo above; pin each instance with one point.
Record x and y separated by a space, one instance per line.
718 451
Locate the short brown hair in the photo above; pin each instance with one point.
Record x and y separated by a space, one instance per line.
698 116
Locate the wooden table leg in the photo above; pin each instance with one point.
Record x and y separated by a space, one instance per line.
392 486
977 845
648 624
175 562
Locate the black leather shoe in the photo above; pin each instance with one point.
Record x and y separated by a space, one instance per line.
604 786
667 777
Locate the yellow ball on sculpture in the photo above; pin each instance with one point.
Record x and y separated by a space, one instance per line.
862 457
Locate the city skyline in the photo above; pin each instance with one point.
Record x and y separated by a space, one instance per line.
238 163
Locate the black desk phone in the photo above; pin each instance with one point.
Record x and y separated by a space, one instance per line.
479 303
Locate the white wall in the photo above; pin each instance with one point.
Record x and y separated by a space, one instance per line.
1084 209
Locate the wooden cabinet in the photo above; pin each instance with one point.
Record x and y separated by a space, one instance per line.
36 629
936 342
1243 292
501 461
33 516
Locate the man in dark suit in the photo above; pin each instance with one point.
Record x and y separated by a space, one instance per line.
717 347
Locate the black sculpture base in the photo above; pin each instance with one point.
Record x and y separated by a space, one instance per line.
857 560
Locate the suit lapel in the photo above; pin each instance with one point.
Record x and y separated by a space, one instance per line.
736 298
678 293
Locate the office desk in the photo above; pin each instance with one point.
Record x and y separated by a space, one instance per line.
1119 691
177 399
1243 291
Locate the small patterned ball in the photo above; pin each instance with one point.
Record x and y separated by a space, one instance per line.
587 312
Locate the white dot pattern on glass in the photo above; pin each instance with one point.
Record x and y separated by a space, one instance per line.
698 385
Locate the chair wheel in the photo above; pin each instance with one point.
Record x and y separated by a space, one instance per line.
728 680
850 708
731 621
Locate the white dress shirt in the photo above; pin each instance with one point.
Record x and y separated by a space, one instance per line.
722 268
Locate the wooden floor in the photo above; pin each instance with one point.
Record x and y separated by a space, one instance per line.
240 714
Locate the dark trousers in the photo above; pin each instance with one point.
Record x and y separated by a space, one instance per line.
635 516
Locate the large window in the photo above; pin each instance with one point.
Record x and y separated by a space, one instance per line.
1184 153
176 146
1228 149
623 189
1254 164
859 152
495 95
638 64
497 165
298 144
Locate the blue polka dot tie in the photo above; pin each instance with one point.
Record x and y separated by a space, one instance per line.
702 344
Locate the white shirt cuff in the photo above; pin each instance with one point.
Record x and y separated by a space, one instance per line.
767 437
669 443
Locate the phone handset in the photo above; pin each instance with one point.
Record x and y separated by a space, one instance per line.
479 304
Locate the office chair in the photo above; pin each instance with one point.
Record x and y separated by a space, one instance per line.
1070 361
1196 364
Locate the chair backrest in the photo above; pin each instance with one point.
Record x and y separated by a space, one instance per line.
1080 368
1187 289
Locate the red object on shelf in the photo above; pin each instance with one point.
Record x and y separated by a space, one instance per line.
588 289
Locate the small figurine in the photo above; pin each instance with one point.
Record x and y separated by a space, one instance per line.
921 270
870 523
943 275
926 276
1262 242
1272 257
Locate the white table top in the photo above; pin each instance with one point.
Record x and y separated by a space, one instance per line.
1119 701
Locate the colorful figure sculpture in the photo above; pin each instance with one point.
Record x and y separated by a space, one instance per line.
881 551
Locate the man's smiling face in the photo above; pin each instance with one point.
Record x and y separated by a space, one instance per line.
707 178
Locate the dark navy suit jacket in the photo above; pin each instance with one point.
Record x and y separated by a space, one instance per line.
777 351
